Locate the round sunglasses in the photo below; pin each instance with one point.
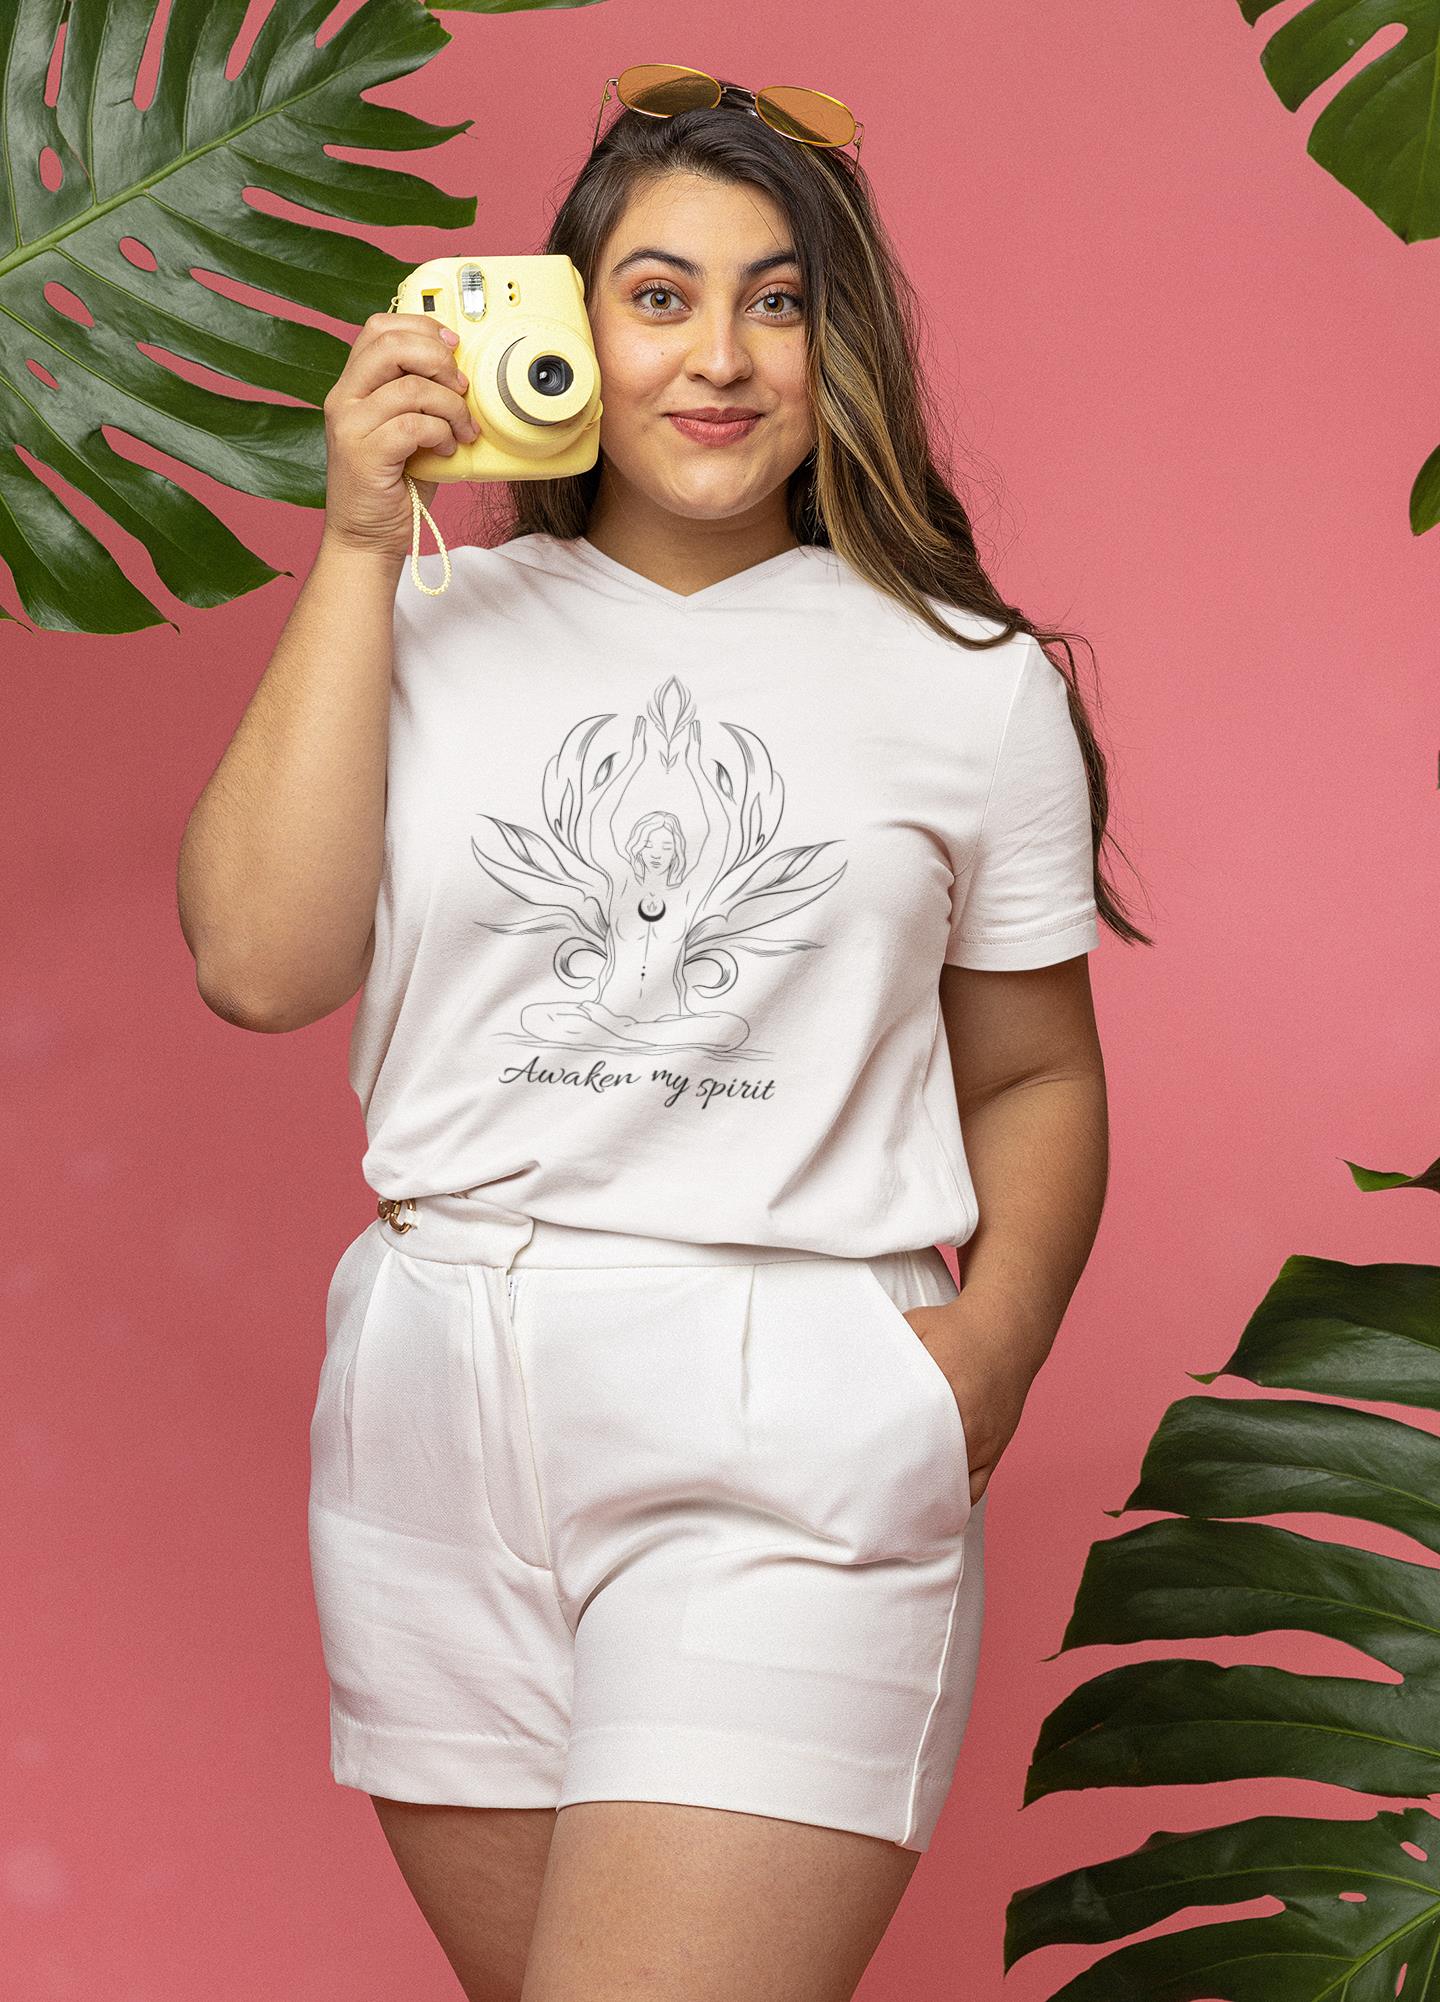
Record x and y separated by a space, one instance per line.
661 90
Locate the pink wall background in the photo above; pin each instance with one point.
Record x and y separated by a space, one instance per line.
1193 378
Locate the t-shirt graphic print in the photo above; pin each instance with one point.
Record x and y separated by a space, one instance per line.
663 873
668 885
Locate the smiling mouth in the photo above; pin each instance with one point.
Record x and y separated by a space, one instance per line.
712 430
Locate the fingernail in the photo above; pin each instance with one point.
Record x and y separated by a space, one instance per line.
451 336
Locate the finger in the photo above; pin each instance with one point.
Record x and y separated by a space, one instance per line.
379 323
413 431
393 345
413 394
403 320
391 359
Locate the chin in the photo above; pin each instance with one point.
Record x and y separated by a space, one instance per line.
705 506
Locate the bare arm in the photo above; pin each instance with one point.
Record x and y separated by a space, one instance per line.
1030 1085
596 826
280 862
281 857
717 823
1039 1158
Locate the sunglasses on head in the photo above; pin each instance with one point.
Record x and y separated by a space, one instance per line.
660 90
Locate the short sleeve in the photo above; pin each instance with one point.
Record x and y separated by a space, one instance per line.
1028 895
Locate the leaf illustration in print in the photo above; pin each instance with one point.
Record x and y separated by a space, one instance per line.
659 872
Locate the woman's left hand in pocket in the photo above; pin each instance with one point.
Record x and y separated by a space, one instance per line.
989 1383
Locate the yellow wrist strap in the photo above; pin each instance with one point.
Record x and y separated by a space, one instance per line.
417 508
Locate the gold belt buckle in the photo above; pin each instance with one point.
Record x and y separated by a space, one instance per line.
390 1208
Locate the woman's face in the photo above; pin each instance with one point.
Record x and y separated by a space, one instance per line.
695 303
658 851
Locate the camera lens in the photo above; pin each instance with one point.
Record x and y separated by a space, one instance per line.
550 375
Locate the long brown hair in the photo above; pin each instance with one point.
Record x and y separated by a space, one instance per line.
870 489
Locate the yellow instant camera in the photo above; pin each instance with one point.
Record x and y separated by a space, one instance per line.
526 347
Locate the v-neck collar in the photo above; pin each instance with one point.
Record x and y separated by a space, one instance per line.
584 553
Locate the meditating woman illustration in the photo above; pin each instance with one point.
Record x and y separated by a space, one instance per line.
653 931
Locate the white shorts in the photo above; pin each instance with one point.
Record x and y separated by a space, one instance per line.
604 1517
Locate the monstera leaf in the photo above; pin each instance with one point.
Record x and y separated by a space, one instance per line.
1361 1899
113 218
1361 1921
1380 133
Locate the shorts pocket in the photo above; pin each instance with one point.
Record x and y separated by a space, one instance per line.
357 1279
954 1462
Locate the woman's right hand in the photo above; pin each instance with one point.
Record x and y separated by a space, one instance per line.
400 390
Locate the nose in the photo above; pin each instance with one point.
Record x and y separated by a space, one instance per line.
718 352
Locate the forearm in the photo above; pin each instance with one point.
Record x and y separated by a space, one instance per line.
1039 1158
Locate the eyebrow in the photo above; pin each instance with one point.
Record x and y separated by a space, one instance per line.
694 270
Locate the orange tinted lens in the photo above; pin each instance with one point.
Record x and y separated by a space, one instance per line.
664 89
806 114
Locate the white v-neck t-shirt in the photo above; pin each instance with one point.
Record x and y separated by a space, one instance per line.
668 883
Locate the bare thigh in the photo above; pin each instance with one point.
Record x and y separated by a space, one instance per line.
652 1901
475 1873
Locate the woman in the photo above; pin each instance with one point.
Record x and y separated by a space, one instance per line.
705 852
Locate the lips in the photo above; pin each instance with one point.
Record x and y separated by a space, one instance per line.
712 431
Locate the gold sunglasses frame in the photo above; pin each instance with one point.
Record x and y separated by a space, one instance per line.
754 106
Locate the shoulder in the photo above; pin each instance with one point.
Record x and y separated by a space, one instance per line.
888 610
1012 666
479 577
472 567
962 678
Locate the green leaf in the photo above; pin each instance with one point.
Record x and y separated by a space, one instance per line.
1375 1178
1379 135
1175 1580
503 7
1349 1330
1213 1456
1178 1722
150 205
1360 1922
1360 1912
1424 513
